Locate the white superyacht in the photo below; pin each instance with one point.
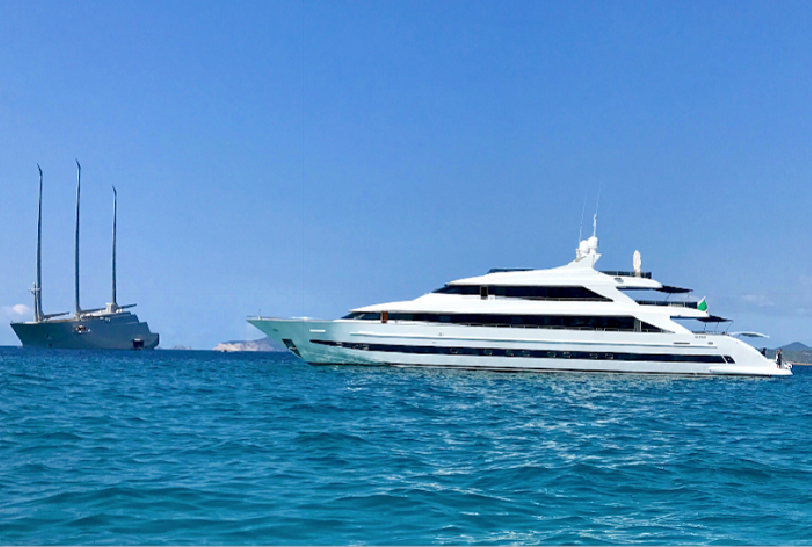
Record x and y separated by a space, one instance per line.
570 318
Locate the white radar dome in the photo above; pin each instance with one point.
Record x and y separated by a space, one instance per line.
584 247
592 242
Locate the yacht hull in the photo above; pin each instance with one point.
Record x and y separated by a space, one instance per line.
96 332
347 342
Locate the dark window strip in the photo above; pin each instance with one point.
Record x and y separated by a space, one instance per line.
643 275
528 353
532 292
578 322
668 304
363 316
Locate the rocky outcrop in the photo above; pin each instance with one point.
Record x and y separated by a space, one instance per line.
263 344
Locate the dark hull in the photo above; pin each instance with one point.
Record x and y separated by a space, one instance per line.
106 331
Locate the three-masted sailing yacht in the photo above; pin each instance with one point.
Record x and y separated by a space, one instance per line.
111 327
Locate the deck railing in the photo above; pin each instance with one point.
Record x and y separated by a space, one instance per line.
643 275
667 304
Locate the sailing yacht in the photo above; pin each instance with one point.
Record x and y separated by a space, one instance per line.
111 327
569 318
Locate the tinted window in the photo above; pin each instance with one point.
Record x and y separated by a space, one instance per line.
598 322
526 292
458 289
533 354
363 316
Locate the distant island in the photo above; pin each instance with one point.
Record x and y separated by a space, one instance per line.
263 344
794 353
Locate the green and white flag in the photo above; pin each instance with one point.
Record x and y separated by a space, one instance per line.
702 306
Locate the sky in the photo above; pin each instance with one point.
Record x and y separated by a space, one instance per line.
306 158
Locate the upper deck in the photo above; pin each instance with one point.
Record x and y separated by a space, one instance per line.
576 289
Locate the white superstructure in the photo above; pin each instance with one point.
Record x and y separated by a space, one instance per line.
570 318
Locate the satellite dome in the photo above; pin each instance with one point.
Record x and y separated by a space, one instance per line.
592 242
584 247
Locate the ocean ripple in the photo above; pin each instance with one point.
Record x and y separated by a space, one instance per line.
203 448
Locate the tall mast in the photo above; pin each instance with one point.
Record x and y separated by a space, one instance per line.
78 192
115 206
37 290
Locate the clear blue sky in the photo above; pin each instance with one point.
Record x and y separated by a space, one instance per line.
309 157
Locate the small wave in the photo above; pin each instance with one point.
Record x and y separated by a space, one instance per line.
59 436
91 521
380 501
331 438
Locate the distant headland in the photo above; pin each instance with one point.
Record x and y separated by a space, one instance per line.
795 353
263 344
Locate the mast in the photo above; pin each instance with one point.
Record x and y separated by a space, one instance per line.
37 289
115 206
78 192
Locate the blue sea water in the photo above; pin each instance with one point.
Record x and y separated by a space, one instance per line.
206 448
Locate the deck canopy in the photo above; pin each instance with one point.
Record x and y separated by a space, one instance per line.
674 290
668 289
504 270
714 319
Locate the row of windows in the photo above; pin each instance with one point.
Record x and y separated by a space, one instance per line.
644 275
363 316
583 322
527 353
580 294
669 304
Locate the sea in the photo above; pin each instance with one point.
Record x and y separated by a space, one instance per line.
205 448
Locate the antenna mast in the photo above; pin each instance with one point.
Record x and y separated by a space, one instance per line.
581 229
595 218
78 192
115 207
37 289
